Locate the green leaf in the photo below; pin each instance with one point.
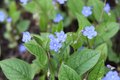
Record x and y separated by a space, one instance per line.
97 8
45 38
46 8
14 14
103 50
82 61
30 6
35 67
75 39
43 23
106 31
75 6
117 10
16 69
23 25
67 73
113 56
42 40
38 51
97 72
64 52
99 14
57 27
83 22
38 39
42 77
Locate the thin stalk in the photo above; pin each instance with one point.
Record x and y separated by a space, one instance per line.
102 11
50 65
88 43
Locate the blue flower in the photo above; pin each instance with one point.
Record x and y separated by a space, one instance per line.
24 2
58 18
2 16
54 2
111 75
9 19
61 1
61 36
89 32
51 37
107 8
26 37
55 44
22 48
86 11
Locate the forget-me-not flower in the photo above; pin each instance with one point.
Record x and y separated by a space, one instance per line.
9 19
26 37
2 16
22 48
61 1
54 2
52 37
56 42
87 11
61 36
112 75
107 8
55 45
24 2
89 32
58 18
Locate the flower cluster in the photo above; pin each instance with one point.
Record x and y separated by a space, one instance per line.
111 75
107 8
56 42
2 16
58 18
86 11
26 37
89 32
24 2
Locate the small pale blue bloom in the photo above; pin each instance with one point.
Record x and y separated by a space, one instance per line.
112 75
89 32
56 42
61 1
58 18
9 19
26 37
54 2
86 11
24 2
61 36
2 16
51 37
107 8
22 48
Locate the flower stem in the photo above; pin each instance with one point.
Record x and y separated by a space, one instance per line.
102 11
